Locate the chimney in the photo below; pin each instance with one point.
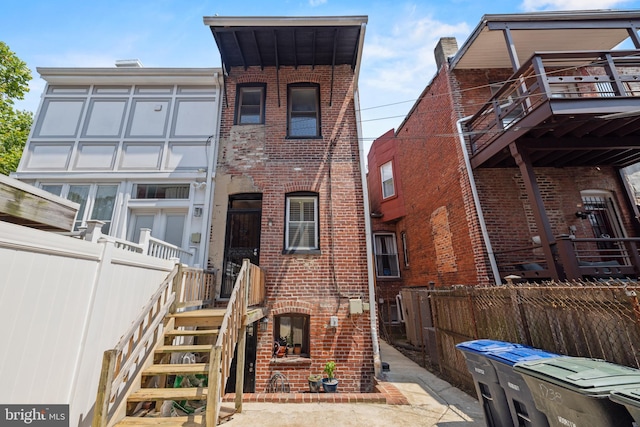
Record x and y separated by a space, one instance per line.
446 47
128 63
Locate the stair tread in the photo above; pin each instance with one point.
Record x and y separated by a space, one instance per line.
177 368
186 421
207 312
197 332
196 348
182 393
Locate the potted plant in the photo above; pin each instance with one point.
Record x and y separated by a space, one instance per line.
315 383
330 384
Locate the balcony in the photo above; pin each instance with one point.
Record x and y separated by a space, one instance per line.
566 108
597 258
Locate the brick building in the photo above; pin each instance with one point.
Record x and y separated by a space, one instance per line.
290 196
510 161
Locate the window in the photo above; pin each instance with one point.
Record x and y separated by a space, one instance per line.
162 191
304 111
386 255
302 222
292 330
250 105
386 174
97 202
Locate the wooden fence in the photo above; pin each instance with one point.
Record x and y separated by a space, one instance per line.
584 319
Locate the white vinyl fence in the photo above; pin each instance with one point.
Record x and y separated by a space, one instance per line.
63 301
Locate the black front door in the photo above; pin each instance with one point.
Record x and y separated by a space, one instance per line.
242 238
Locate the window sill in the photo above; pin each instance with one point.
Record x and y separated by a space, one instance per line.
290 360
304 137
302 252
388 278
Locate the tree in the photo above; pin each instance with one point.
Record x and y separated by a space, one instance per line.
14 124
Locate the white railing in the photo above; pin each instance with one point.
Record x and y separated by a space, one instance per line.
146 245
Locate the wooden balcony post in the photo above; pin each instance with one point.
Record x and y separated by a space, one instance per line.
568 257
537 206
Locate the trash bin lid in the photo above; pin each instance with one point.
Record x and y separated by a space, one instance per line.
520 354
582 375
627 397
485 346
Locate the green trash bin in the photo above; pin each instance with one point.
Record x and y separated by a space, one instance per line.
630 398
574 391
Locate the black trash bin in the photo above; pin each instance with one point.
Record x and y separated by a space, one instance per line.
575 391
630 398
490 393
521 403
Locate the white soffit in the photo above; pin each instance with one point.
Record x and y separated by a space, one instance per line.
489 49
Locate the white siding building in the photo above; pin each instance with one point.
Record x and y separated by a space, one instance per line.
134 146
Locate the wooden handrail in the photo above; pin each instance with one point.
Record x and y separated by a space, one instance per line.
223 350
136 344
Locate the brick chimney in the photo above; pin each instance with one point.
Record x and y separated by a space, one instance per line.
446 47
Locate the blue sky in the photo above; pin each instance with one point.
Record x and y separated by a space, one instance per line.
398 50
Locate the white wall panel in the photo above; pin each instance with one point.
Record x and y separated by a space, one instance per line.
195 118
60 118
187 156
149 118
141 156
105 118
48 156
95 156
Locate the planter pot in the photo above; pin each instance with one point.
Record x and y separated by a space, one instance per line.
297 349
315 386
330 386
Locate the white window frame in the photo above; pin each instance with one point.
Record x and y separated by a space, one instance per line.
86 212
391 255
386 175
301 198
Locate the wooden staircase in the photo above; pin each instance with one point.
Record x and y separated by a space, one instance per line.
144 406
138 375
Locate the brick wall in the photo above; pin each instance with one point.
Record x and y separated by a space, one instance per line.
317 285
444 241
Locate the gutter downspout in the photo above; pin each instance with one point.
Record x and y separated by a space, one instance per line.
476 201
211 172
373 316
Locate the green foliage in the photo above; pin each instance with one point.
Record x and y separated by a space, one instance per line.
14 124
329 367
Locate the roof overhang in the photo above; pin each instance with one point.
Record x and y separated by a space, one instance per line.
131 75
543 31
288 41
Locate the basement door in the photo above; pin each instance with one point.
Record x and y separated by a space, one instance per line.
242 237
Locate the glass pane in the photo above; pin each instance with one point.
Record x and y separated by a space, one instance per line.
103 205
79 194
174 230
250 114
52 188
142 221
303 99
162 191
303 125
251 97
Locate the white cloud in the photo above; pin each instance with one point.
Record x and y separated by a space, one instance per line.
398 63
532 5
314 3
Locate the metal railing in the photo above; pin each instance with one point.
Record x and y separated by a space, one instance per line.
554 75
579 258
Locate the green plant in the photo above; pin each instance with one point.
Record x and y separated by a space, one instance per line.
314 378
329 367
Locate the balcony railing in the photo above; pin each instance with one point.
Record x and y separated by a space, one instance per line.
550 76
578 257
